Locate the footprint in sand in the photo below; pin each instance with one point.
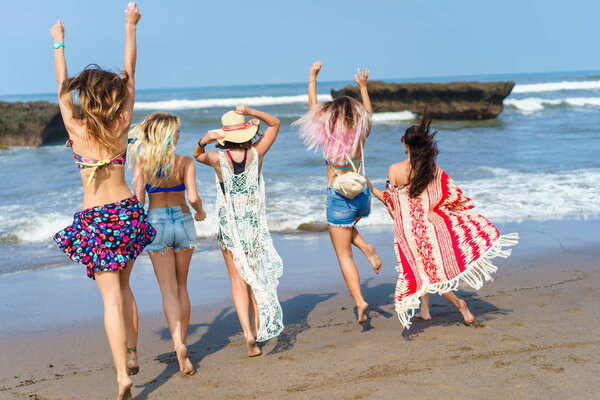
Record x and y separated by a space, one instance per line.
502 364
552 368
507 338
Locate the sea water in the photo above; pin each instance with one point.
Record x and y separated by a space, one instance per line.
539 160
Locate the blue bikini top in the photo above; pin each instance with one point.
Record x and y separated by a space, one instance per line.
156 189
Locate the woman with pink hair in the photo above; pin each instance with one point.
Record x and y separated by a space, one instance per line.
340 128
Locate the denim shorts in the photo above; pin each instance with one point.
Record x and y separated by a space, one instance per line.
174 229
342 211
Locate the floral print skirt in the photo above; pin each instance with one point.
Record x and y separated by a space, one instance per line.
105 238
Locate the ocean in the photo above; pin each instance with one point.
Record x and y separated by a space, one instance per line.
538 161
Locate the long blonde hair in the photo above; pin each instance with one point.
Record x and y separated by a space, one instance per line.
101 94
154 146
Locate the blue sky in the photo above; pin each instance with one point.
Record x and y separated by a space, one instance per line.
184 43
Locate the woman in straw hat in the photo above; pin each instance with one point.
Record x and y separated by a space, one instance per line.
252 261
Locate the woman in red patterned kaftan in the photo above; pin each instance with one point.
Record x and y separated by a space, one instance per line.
439 243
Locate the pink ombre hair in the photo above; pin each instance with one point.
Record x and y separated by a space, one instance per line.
336 127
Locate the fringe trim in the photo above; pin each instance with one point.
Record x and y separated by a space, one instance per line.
341 225
479 271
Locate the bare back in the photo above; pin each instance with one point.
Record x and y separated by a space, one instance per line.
175 178
108 184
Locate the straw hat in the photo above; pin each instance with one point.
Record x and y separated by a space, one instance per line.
236 129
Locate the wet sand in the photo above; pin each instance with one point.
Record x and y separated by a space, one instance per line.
537 336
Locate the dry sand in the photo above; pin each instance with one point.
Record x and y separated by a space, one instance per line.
537 336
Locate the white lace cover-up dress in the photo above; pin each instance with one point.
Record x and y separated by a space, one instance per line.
243 230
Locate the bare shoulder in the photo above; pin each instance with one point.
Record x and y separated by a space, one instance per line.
398 173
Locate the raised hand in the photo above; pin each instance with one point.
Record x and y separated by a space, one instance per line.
212 136
58 31
132 14
242 109
361 79
315 68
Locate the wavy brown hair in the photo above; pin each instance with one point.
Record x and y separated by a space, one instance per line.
101 94
423 154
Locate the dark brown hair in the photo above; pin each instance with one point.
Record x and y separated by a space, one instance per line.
101 94
423 153
244 146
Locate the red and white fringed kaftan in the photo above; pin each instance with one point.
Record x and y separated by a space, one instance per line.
439 243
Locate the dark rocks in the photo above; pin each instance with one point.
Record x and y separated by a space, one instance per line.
30 124
313 227
456 100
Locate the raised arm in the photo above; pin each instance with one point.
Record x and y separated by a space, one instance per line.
312 84
132 16
267 139
189 178
361 81
65 102
210 158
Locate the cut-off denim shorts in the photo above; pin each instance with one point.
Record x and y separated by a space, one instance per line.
342 211
174 229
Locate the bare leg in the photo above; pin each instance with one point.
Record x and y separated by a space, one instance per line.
241 301
461 305
424 312
341 239
114 324
130 313
164 269
183 258
367 249
254 314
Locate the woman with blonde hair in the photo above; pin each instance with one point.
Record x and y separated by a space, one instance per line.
112 230
167 177
252 262
340 128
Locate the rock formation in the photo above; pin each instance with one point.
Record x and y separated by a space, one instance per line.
456 100
30 124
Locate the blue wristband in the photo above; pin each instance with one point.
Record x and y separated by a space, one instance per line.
58 45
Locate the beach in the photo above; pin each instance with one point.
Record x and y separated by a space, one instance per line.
536 334
531 171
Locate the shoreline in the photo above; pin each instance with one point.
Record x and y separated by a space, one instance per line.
72 299
551 284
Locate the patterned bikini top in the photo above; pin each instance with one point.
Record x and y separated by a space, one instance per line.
84 162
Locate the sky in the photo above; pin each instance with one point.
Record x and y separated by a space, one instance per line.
185 43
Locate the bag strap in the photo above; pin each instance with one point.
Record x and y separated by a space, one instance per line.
362 161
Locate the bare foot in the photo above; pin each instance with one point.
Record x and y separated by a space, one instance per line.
373 258
467 316
133 365
362 313
125 389
423 315
185 365
253 349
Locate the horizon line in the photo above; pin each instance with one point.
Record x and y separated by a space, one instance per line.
402 80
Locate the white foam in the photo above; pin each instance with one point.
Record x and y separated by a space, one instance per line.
392 117
556 86
503 196
177 104
533 104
